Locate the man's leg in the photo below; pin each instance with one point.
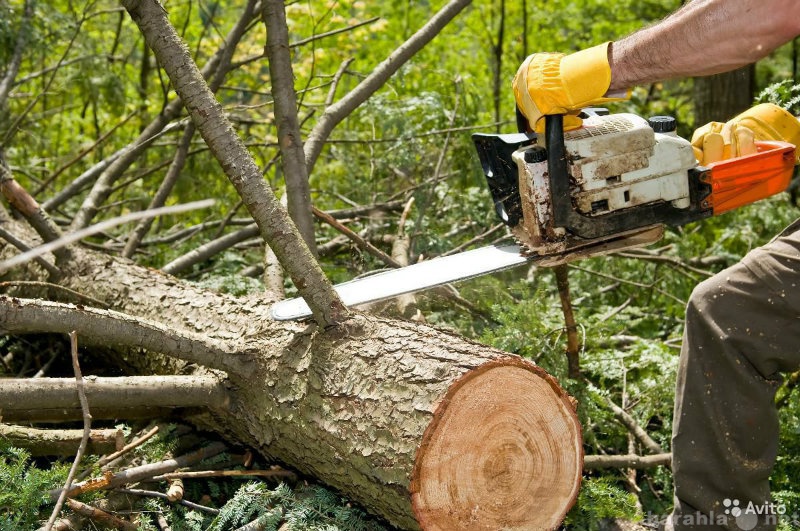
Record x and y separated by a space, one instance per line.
742 329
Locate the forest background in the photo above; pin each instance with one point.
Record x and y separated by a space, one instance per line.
84 84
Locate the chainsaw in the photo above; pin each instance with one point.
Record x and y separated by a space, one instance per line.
614 183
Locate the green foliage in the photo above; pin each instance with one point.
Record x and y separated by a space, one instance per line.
784 93
787 468
229 282
190 521
24 488
25 502
600 499
304 508
249 503
163 443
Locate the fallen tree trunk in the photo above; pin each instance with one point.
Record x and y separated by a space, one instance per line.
421 427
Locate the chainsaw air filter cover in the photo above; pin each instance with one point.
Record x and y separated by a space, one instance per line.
618 162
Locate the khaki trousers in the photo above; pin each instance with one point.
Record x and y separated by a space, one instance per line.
742 330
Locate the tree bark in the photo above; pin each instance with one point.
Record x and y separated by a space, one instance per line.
421 427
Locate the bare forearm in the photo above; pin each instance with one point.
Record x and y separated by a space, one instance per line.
704 37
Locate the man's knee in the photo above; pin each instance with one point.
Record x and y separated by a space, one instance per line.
727 295
708 299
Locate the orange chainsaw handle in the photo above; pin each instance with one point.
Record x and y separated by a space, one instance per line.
743 180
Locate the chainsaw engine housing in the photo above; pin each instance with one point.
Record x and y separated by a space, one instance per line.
622 183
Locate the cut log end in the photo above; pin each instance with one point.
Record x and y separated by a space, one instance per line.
504 451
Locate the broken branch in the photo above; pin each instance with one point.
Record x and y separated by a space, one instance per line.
105 327
139 473
87 427
40 442
595 462
106 392
355 238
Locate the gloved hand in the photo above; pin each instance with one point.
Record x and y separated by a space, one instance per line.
717 141
554 83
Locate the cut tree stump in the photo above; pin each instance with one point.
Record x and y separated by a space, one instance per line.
420 426
503 452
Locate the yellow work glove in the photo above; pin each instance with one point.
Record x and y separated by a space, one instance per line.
717 141
554 83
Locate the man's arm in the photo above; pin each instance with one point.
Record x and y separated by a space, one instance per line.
704 37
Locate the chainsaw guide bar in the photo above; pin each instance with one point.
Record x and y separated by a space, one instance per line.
455 268
416 277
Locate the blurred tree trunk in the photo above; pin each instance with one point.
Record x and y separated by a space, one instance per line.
720 97
499 84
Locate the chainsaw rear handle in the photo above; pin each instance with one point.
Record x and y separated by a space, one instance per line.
743 180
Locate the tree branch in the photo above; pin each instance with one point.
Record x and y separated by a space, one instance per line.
355 238
337 112
105 327
406 304
274 223
100 516
164 189
161 495
573 345
60 442
293 161
105 392
595 462
87 428
630 423
209 249
54 271
138 473
26 205
16 60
